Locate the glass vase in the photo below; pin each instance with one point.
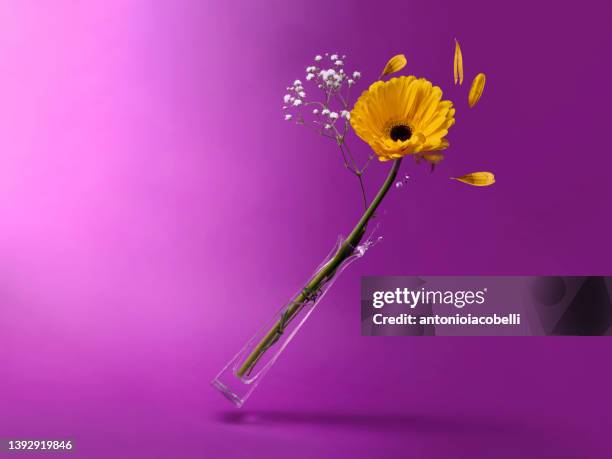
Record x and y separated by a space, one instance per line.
244 372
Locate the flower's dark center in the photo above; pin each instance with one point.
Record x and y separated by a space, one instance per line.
400 132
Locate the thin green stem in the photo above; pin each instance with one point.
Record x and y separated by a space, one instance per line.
326 272
353 169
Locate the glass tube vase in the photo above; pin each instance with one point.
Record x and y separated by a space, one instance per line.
237 380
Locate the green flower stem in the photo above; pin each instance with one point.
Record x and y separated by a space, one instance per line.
325 273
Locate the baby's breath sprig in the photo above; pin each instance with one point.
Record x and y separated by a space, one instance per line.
330 114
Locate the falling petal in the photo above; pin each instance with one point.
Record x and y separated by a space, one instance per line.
395 64
458 64
477 178
476 90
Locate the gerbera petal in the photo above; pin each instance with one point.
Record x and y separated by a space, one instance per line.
433 158
430 106
476 90
477 178
458 64
437 123
395 64
422 90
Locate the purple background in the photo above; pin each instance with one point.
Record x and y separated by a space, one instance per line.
155 209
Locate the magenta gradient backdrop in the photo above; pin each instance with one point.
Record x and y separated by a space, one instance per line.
155 209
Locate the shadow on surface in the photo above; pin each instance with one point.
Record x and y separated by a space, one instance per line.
372 422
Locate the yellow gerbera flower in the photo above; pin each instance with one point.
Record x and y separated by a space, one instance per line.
403 116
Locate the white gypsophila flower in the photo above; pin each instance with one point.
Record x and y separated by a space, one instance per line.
327 74
330 80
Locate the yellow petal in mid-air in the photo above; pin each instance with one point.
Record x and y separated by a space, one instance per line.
458 64
476 90
477 178
395 64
